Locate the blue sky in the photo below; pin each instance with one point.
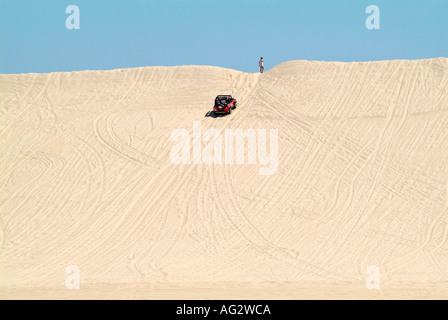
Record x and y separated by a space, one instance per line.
226 33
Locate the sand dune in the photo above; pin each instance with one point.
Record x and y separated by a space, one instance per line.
362 179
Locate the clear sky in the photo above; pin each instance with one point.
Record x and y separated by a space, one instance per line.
227 33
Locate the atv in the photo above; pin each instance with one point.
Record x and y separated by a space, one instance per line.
224 104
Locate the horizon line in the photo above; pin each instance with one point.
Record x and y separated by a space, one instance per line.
213 66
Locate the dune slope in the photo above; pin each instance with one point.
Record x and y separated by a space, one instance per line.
362 180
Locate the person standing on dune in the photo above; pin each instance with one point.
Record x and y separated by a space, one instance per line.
261 65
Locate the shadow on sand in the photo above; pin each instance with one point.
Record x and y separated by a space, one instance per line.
215 115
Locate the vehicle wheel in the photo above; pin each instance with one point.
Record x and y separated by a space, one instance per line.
234 105
230 110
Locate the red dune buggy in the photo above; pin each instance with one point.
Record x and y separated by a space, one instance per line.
224 104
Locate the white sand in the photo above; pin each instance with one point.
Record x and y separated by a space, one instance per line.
86 180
